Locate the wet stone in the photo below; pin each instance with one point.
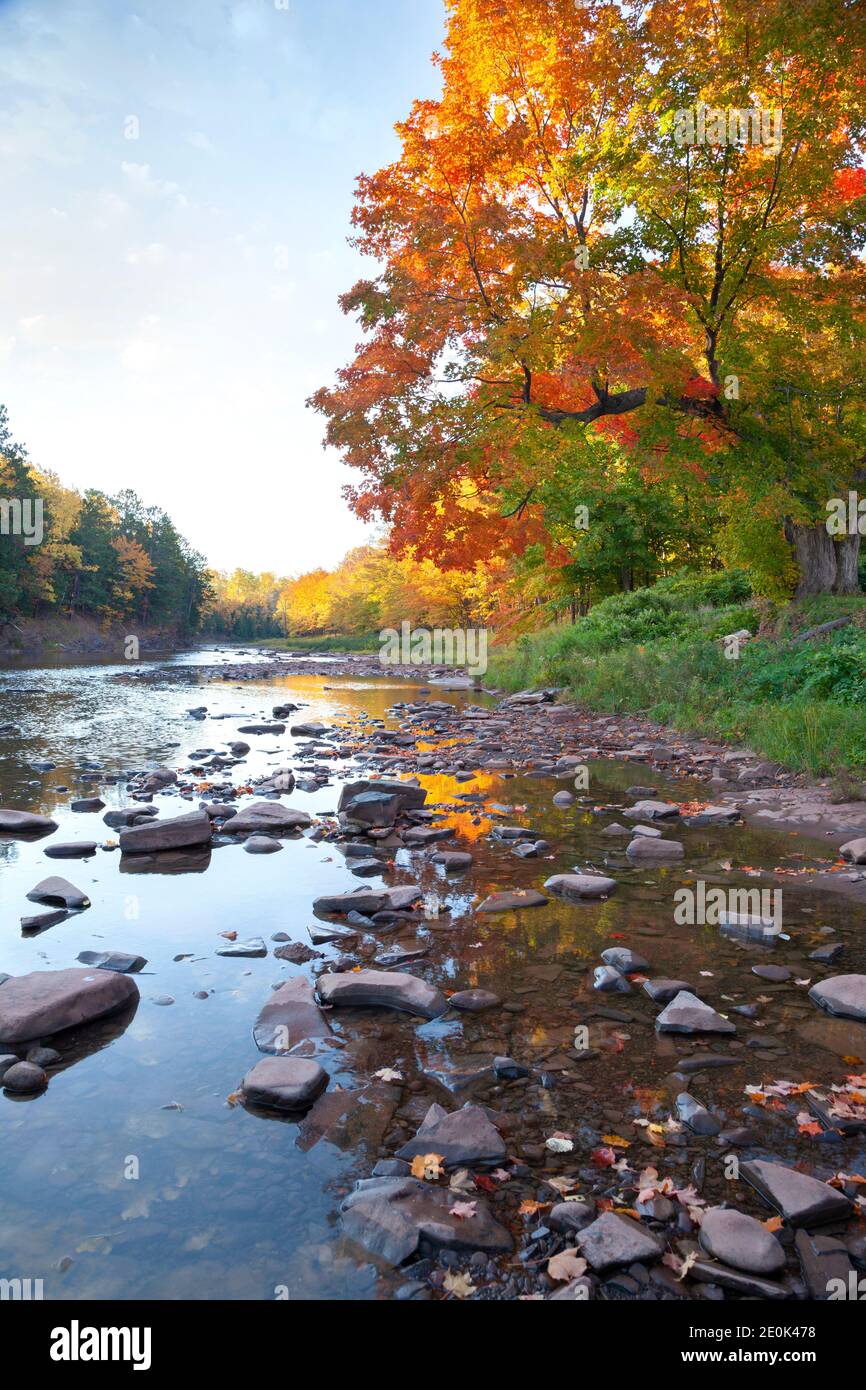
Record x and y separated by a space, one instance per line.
686 1013
474 1001
284 1083
613 1240
801 1200
464 1137
24 1077
739 1240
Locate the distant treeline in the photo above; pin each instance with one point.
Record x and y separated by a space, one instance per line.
111 558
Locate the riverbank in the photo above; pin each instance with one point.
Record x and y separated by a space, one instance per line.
30 639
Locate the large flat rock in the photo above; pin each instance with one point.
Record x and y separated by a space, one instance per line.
59 892
48 1001
284 1083
409 796
843 996
617 1240
391 989
576 888
368 900
739 1240
512 901
390 1217
290 1015
802 1200
180 832
463 1138
266 815
25 823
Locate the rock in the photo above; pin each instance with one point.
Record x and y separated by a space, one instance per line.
59 892
823 1260
112 960
384 989
507 1069
322 935
284 1083
696 1116
283 711
261 844
825 955
297 953
463 1138
83 850
290 1016
617 1240
843 996
854 851
748 927
714 815
474 1001
273 728
43 1056
181 832
7 1060
653 810
567 1217
45 1002
25 823
663 991
410 797
24 1077
776 974
802 1200
391 1217
268 816
686 1013
625 961
368 900
42 921
311 730
512 901
253 948
452 859
239 748
563 799
130 815
723 1277
580 887
644 850
373 808
87 803
611 981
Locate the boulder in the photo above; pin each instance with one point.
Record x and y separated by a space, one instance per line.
290 1016
512 901
368 900
284 1083
741 1241
626 961
617 1240
663 991
25 823
843 996
647 850
409 796
686 1013
59 892
389 989
580 887
464 1138
452 859
45 1002
267 816
801 1200
181 832
854 851
391 1217
653 810
262 844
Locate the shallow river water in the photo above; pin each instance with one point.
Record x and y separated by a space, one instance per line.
134 1176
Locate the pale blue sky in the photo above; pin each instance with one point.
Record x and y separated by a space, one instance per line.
168 302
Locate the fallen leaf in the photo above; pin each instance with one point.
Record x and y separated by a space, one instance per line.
566 1265
427 1166
459 1285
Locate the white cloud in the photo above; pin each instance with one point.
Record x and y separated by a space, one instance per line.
154 254
141 179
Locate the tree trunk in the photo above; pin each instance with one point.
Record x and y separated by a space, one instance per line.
816 558
847 562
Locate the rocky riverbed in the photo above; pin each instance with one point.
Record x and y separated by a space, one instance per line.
387 991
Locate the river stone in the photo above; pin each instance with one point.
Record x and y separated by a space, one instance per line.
255 947
120 961
645 849
686 1013
802 1200
284 1083
24 1077
714 815
130 815
627 962
854 851
59 892
83 850
409 795
290 1016
273 728
512 901
696 1116
776 974
663 991
617 1240
266 815
43 920
45 1002
610 980
652 810
391 989
7 1060
563 799
452 859
261 844
474 1001
87 803
462 1139
181 832
375 808
390 1217
311 730
843 996
580 887
741 1241
567 1217
368 900
25 823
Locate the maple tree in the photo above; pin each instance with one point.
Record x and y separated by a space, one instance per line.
573 301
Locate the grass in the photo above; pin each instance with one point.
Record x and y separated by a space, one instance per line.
335 642
802 705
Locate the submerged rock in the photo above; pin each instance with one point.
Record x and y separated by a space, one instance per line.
580 887
512 901
645 850
113 960
392 1217
290 1016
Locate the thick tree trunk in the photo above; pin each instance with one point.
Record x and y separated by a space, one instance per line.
825 566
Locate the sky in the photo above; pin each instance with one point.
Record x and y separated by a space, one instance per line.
178 178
